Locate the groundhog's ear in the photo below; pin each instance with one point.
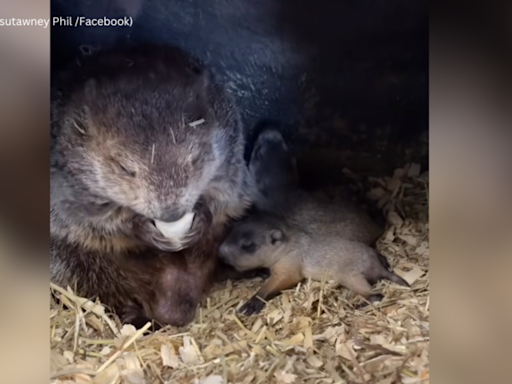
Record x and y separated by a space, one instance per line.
255 154
275 236
200 77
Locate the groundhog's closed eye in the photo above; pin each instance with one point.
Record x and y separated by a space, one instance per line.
248 246
126 171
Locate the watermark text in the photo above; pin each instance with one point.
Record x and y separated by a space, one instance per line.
69 21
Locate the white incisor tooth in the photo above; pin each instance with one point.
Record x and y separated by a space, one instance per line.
176 229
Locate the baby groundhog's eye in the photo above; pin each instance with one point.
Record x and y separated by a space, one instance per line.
248 247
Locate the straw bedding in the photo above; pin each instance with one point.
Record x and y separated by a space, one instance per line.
312 334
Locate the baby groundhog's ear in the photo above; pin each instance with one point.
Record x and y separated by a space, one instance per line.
275 236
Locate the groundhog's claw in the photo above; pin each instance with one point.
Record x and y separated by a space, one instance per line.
202 222
227 272
252 307
145 229
376 297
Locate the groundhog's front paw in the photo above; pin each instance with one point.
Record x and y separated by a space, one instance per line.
227 272
201 224
252 307
146 231
372 299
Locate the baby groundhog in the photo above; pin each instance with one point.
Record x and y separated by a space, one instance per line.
146 168
274 172
273 168
296 235
291 253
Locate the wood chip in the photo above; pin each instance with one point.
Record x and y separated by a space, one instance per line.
346 350
214 379
169 356
285 378
314 361
410 276
414 170
188 353
110 375
128 330
133 376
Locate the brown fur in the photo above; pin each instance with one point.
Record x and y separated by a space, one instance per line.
122 155
292 254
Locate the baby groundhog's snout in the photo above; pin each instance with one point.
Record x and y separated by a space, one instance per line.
225 252
228 254
231 254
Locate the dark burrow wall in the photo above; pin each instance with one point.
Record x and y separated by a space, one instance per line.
346 80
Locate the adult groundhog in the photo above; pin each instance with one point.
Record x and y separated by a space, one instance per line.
139 136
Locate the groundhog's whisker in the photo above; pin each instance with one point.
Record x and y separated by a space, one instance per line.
196 123
78 128
153 153
173 137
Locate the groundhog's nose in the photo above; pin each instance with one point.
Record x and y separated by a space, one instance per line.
170 215
223 251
